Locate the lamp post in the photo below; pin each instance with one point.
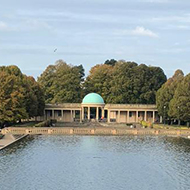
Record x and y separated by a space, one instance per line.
178 107
164 114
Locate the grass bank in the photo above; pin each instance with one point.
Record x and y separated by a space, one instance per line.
162 126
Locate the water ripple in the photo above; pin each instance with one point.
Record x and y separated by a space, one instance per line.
96 162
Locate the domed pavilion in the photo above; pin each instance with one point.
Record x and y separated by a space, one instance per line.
91 102
93 108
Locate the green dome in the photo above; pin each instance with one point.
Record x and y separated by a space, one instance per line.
93 98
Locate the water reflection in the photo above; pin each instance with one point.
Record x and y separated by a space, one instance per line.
96 162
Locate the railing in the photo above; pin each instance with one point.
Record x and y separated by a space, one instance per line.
92 131
145 106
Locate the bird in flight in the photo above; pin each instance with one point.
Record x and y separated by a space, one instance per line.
55 50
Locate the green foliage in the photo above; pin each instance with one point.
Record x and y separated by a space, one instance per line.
166 92
146 124
174 98
62 83
18 96
99 81
179 106
46 123
11 95
111 62
125 82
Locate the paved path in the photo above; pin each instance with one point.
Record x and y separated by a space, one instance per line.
9 139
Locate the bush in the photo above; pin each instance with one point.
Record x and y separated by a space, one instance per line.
46 123
53 121
146 124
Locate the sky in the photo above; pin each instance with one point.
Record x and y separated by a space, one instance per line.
88 32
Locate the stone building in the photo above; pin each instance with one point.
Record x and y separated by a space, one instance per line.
93 108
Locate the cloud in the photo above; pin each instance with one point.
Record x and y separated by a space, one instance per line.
138 31
143 32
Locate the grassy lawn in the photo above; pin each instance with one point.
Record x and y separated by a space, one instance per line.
162 126
26 124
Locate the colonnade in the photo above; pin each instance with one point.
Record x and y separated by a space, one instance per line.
135 118
88 112
110 114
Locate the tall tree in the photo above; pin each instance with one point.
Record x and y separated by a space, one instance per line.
11 95
20 96
34 97
125 82
99 80
179 107
46 80
166 92
62 83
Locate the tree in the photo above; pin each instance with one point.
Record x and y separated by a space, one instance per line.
46 80
62 83
11 95
99 80
125 82
179 107
132 83
122 83
111 62
34 97
20 96
166 92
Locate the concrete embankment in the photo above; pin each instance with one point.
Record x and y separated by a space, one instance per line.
93 131
9 139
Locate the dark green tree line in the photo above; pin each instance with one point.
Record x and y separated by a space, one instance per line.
19 97
173 98
62 83
179 107
125 82
166 93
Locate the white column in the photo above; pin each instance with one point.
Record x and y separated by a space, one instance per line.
161 119
71 115
137 116
88 113
153 117
97 113
82 113
108 116
119 114
62 115
74 114
103 113
128 116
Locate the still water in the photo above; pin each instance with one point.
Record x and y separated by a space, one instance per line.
96 163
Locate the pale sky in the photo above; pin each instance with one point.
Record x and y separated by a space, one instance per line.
88 32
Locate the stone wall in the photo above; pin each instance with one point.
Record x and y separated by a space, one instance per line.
93 131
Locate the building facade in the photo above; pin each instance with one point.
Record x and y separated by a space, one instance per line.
93 108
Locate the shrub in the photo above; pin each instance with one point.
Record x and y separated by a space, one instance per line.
53 121
146 124
46 123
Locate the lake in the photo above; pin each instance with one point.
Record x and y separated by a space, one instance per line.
96 163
